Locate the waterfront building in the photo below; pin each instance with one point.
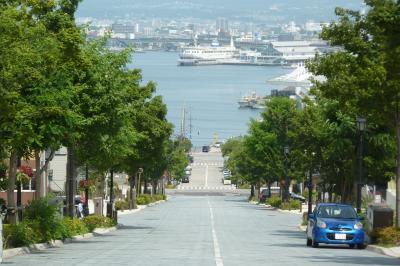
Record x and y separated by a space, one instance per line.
294 52
222 25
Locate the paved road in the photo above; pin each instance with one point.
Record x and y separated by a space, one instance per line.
203 228
206 173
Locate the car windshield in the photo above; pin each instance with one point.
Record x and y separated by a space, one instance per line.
338 212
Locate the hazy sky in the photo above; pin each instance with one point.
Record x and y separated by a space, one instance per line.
257 10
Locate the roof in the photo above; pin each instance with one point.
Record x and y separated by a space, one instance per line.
297 50
291 44
299 77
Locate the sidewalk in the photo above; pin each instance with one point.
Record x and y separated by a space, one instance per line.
9 253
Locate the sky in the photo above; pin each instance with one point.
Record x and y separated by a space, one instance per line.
254 10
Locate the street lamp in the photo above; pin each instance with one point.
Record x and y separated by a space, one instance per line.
361 126
286 152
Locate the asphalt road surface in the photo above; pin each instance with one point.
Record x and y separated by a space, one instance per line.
204 228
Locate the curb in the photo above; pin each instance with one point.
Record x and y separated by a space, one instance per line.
12 252
392 252
140 207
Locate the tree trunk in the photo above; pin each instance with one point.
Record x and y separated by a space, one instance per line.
145 190
257 192
12 176
252 191
40 181
139 185
71 182
397 220
38 176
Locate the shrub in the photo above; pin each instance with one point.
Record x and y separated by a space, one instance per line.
74 227
244 186
294 205
45 219
389 236
20 235
171 186
274 202
121 205
158 197
143 199
95 221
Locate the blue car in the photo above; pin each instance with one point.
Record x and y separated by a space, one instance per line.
332 223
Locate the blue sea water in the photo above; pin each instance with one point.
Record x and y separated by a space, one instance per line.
208 93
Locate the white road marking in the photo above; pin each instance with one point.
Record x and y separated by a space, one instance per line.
206 183
217 252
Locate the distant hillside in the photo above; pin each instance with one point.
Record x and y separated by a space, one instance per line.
259 10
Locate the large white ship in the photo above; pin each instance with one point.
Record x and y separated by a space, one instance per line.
197 55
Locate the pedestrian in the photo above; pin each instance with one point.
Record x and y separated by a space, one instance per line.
80 210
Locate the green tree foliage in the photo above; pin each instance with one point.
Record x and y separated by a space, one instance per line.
58 89
363 76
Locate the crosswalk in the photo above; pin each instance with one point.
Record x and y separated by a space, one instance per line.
179 187
209 164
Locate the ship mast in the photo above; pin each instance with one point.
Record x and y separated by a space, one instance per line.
183 122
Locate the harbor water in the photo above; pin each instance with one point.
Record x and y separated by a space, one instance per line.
209 94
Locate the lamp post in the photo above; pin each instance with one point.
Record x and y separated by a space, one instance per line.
286 152
361 126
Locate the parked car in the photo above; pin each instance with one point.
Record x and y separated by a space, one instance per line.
332 223
264 194
297 197
185 179
206 148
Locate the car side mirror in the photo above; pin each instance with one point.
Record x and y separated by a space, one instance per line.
361 218
311 216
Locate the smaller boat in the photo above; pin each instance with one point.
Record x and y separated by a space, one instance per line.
250 101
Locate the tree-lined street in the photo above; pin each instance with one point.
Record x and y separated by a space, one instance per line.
203 227
180 232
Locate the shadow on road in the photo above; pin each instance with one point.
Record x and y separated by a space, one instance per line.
243 200
291 234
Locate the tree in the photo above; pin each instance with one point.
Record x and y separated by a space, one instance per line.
363 76
33 82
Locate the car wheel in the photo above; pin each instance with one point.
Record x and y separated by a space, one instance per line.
309 242
314 244
361 246
351 245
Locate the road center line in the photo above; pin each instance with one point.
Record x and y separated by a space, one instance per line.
206 183
217 252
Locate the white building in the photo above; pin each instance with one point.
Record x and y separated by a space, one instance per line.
57 171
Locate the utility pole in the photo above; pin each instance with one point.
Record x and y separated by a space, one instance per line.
183 122
190 126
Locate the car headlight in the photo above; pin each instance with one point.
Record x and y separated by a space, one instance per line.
321 224
358 226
